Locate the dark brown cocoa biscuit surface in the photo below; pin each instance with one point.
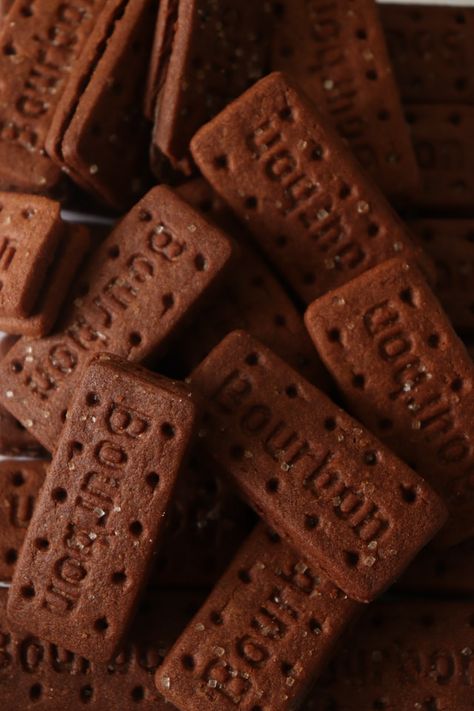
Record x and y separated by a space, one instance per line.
432 51
36 675
98 134
207 523
312 471
450 243
20 482
40 43
14 438
206 53
264 633
30 230
90 543
250 298
406 656
75 244
406 375
136 290
443 138
337 54
448 572
288 176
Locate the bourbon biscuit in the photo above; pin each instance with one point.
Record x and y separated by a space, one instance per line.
14 438
287 175
74 245
431 50
37 675
311 471
264 633
337 53
20 482
410 655
136 290
207 523
251 298
30 230
443 138
98 134
450 243
205 54
40 43
407 376
95 528
448 572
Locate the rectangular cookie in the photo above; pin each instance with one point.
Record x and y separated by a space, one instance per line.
337 53
432 51
251 298
205 53
30 230
450 243
36 675
40 43
98 134
406 656
135 291
288 176
264 633
20 483
311 471
448 572
207 523
74 245
443 138
407 376
90 543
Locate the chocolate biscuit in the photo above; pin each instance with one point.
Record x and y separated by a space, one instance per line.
285 172
40 43
136 290
311 471
405 656
432 51
207 523
20 482
449 572
90 542
36 675
336 52
14 438
264 633
74 245
450 243
251 298
30 230
98 135
443 138
205 54
407 376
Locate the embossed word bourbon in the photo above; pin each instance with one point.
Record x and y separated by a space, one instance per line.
284 171
266 630
407 376
410 655
336 52
136 290
40 43
95 527
312 471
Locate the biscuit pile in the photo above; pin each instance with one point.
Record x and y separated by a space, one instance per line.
236 377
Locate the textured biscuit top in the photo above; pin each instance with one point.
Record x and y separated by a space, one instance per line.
284 171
